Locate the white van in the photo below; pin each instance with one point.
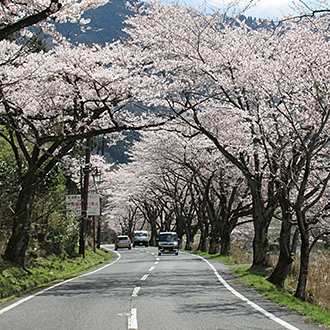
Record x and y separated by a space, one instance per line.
140 237
168 242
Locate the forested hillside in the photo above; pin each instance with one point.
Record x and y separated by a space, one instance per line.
106 24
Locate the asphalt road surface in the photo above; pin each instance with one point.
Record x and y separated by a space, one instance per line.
140 290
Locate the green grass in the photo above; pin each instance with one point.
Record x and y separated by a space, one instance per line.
256 278
15 281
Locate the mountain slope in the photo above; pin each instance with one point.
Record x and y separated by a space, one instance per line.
106 24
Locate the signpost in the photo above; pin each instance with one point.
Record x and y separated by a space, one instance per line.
74 205
93 204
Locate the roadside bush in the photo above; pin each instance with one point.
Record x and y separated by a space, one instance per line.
318 285
62 237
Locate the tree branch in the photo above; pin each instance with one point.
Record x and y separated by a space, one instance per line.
54 7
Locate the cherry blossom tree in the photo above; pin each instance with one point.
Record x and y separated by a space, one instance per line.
120 205
302 124
268 87
201 73
50 100
15 15
188 188
222 192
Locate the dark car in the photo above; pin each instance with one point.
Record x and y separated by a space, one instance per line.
123 241
168 242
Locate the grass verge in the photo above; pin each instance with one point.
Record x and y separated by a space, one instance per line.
15 281
256 278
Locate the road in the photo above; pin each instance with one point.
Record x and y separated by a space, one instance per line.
140 290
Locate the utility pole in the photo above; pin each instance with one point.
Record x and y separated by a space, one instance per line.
98 239
84 197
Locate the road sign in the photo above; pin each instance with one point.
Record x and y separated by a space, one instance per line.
93 204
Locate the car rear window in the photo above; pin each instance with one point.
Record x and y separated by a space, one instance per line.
141 235
122 238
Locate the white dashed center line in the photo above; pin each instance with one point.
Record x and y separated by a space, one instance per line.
144 277
132 319
136 291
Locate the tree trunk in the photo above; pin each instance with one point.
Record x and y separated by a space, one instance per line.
281 270
180 225
203 226
225 242
262 217
153 236
189 245
19 240
303 273
214 245
304 254
260 243
189 238
285 260
203 238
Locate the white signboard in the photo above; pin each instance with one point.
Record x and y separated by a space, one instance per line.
93 204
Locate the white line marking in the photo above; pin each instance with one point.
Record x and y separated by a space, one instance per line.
157 262
6 309
136 291
124 314
151 268
144 277
249 302
157 258
132 319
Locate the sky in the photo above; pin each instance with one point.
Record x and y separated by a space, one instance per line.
263 8
270 8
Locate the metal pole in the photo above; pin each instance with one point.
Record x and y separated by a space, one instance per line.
81 234
84 198
99 232
99 222
94 233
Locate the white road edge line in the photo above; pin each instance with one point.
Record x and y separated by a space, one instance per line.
6 309
249 302
136 291
132 319
151 268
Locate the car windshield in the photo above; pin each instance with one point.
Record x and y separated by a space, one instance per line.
141 235
122 238
168 237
